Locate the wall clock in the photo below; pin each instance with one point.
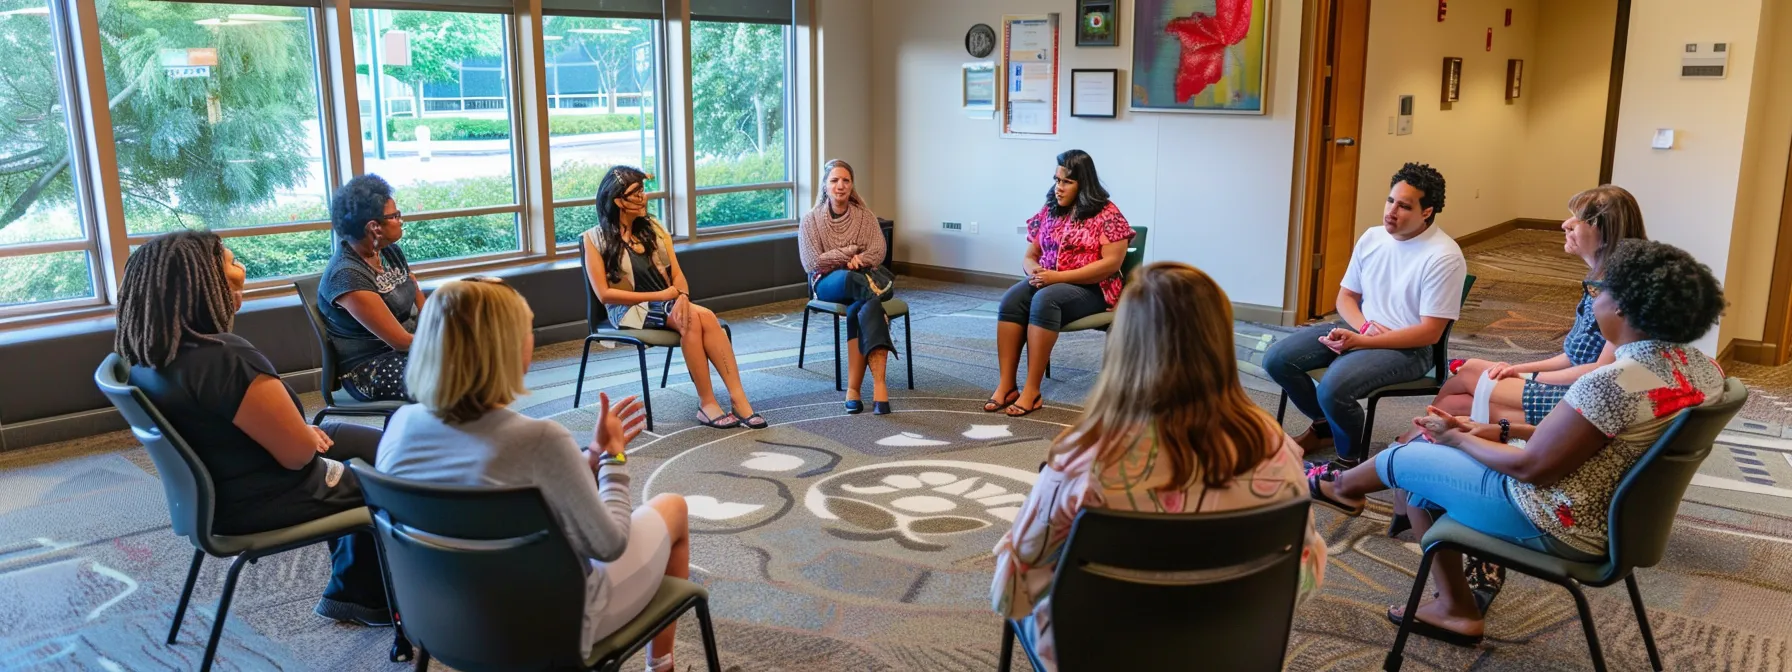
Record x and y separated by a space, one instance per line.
980 40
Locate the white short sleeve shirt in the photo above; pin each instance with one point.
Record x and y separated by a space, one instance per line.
1403 281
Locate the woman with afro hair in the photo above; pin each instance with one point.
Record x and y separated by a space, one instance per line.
1548 487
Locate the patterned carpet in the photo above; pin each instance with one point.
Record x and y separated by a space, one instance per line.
835 542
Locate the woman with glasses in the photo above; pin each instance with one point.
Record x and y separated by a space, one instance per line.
368 296
1075 246
632 268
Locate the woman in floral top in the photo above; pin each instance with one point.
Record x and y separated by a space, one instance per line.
1075 246
1551 493
1169 430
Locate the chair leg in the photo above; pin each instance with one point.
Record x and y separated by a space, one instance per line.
1368 428
319 418
646 393
1003 663
667 369
211 645
579 387
908 345
1642 621
839 385
422 661
802 344
1282 408
186 593
1395 656
709 637
1586 624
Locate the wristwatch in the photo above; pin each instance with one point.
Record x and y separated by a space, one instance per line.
1505 430
618 459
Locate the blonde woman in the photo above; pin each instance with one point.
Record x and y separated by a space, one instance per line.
841 245
1168 430
473 345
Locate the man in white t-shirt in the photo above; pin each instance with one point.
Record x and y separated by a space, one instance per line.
1403 286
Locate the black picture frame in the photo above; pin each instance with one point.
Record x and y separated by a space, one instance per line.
1090 36
1113 83
1452 83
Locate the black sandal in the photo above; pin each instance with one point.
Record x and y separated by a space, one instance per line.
1320 498
1421 628
993 406
719 422
748 422
1024 412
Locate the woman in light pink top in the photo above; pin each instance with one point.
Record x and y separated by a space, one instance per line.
1168 430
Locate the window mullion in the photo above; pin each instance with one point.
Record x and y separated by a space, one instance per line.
680 163
345 101
100 170
534 166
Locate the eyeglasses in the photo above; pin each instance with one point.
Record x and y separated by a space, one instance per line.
1592 288
393 215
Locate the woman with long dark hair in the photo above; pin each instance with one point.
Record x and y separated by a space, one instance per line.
842 246
631 266
1075 246
1169 429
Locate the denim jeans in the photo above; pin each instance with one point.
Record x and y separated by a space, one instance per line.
1348 378
865 318
1447 479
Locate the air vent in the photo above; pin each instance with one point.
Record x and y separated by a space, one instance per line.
1705 60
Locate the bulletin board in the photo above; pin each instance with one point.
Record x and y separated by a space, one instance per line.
1030 76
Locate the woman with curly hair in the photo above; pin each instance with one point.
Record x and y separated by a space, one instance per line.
1551 492
368 296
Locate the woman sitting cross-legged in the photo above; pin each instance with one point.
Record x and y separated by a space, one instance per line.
1552 493
1076 245
841 246
368 296
473 345
269 468
1168 430
632 268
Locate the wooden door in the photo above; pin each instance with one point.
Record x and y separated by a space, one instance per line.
1333 228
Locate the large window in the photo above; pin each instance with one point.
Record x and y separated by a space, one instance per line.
436 122
44 249
739 88
603 102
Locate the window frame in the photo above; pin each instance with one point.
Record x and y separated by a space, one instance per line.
789 184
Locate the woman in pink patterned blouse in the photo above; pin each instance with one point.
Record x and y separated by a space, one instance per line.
1075 247
1169 429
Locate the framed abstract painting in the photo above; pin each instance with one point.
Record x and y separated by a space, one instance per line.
1204 56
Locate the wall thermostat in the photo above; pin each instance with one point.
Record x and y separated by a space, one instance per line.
1705 60
1403 126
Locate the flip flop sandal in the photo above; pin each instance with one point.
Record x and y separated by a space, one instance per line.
993 406
755 421
1024 412
1321 499
1427 630
724 421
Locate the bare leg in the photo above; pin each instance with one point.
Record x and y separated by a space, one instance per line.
696 360
880 386
721 352
1454 608
678 564
1009 338
855 369
1040 341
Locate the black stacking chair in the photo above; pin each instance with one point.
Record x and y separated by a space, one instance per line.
327 384
483 579
1187 597
597 321
1639 522
188 488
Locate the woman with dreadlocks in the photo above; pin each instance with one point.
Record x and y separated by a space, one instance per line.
269 467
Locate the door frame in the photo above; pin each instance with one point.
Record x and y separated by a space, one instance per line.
1776 332
1313 55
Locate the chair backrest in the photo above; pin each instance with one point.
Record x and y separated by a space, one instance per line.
596 316
328 384
1643 507
1440 353
482 577
185 482
1135 252
1147 591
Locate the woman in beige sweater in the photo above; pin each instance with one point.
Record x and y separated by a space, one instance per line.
839 239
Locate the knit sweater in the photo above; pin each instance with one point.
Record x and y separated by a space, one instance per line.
826 243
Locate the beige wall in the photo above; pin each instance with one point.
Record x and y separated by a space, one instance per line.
1691 195
1478 143
1567 84
844 71
1216 190
1763 181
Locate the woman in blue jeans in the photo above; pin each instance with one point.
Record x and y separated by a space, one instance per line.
1549 487
840 241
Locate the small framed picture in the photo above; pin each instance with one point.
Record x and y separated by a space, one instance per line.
1098 23
1452 79
1095 93
1514 78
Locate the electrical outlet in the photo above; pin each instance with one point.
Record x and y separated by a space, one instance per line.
971 228
952 226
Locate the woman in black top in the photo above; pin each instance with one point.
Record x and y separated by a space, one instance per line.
368 296
270 469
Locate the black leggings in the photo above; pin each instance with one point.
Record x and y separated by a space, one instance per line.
865 318
1052 306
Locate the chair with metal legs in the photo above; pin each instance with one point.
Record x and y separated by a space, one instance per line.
597 321
328 385
893 308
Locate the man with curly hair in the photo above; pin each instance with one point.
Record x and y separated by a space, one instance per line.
1403 286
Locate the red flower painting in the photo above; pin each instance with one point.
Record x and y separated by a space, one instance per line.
1204 40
